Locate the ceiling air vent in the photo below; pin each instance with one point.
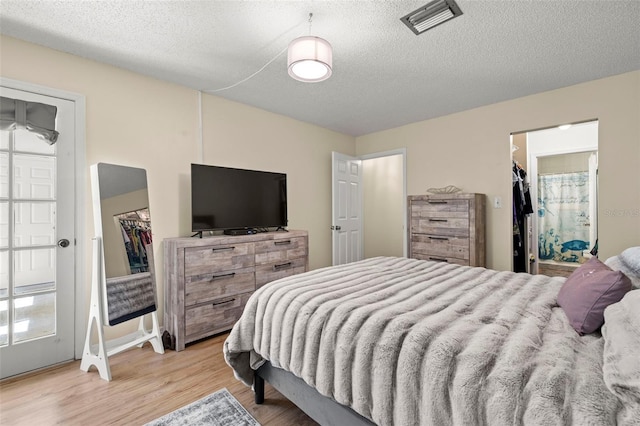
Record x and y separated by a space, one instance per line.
431 15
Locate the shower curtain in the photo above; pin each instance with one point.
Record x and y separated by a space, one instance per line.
563 216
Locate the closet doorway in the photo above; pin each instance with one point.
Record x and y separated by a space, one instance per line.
384 204
554 179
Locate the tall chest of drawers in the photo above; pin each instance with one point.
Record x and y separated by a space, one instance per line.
447 228
209 280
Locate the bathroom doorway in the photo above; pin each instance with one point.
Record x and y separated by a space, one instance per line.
555 170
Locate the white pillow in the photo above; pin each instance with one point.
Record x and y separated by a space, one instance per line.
629 263
621 357
631 258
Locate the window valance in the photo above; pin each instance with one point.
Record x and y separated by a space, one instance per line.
32 116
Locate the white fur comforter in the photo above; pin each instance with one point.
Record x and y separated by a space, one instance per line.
409 342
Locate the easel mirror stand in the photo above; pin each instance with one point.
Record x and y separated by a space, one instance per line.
98 354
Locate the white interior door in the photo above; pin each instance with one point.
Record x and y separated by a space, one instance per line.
37 243
347 208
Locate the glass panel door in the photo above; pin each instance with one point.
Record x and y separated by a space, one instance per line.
36 272
30 237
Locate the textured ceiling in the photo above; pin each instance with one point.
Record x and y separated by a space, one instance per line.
384 76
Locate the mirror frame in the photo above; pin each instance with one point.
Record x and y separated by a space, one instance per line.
118 288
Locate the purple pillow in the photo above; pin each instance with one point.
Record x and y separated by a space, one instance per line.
588 291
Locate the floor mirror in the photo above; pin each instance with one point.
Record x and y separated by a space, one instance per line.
123 281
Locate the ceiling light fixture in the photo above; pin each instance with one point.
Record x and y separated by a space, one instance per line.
430 15
310 58
564 126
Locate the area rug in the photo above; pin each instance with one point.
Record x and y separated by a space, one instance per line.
219 408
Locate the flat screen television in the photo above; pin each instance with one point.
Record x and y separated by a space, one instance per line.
224 198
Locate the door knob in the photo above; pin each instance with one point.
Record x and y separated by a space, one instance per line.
63 243
336 228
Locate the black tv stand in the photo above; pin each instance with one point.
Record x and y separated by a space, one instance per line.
240 231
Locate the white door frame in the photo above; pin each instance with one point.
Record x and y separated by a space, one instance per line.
403 153
80 190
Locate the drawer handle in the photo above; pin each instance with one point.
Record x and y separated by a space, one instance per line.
217 277
439 238
282 243
437 202
281 266
223 248
438 259
438 220
223 302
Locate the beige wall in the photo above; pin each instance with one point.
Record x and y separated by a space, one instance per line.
137 121
520 155
471 150
237 135
564 163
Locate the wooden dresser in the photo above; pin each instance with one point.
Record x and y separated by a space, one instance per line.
209 280
447 228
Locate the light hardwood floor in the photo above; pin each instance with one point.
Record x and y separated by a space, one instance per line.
144 386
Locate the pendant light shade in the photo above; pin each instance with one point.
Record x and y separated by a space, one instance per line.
310 59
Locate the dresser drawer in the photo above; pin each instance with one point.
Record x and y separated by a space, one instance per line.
435 258
440 246
217 258
215 317
440 207
443 225
272 271
205 288
279 250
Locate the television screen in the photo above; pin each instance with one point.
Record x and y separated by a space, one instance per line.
228 198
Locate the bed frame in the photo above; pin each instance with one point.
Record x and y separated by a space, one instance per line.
320 408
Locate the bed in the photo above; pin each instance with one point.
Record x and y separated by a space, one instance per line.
397 341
